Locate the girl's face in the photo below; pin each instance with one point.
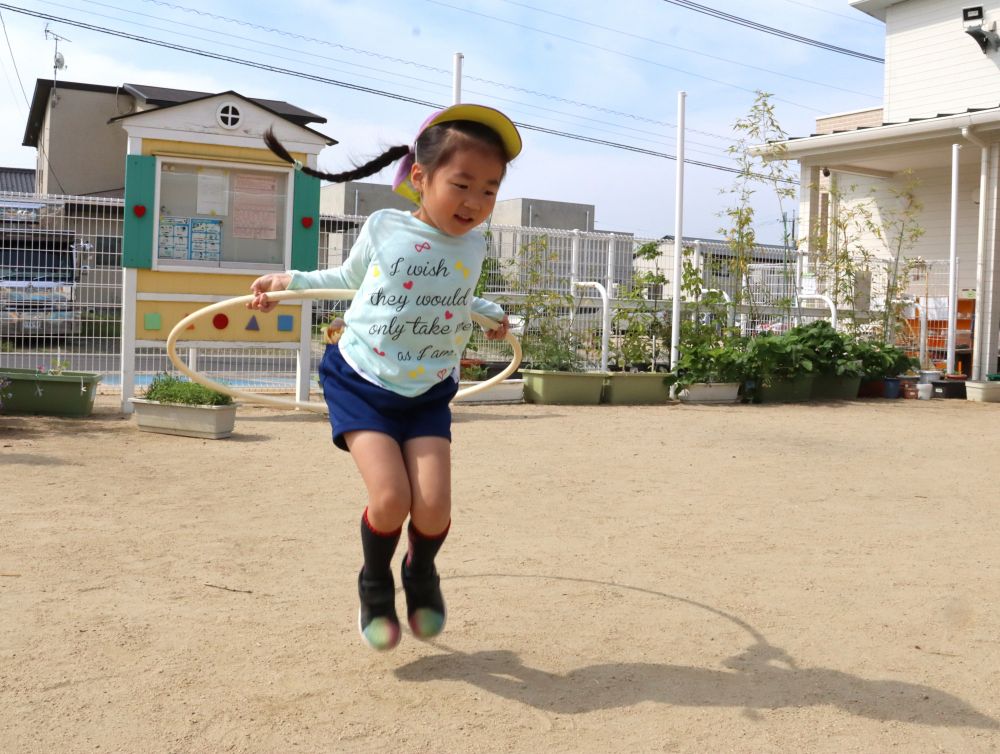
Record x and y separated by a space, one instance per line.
461 193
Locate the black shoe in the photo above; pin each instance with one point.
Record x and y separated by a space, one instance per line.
377 619
424 602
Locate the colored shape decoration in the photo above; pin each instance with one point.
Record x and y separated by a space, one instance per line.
220 321
307 222
286 323
252 324
139 209
152 321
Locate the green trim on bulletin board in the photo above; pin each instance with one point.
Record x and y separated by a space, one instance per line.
140 191
305 241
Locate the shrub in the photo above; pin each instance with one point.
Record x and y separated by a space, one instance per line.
166 388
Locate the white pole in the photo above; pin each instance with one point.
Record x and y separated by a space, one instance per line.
675 316
978 372
456 82
953 260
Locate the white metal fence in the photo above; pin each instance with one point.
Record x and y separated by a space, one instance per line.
61 283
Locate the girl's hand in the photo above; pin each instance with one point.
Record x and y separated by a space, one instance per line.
500 332
276 281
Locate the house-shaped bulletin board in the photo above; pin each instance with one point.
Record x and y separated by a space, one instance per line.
208 209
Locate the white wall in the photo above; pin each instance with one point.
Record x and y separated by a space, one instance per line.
933 191
932 65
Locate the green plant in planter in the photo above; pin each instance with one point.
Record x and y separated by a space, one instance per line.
641 332
549 341
831 349
879 360
166 388
709 349
771 358
707 363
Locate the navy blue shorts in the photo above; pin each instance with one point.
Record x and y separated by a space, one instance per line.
356 404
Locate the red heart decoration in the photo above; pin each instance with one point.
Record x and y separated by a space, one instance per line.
442 373
139 210
307 222
448 315
408 284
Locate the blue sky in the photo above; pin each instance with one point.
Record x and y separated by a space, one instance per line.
602 70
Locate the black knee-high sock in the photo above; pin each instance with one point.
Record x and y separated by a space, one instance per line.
378 547
423 549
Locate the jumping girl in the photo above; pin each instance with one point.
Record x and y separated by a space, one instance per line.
390 378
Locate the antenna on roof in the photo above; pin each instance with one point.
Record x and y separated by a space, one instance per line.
58 61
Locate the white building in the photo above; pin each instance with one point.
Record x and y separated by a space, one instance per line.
941 89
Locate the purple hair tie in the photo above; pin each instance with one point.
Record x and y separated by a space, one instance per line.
401 183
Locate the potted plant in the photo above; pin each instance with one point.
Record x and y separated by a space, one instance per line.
473 370
880 366
711 364
55 391
553 352
838 371
641 337
709 373
781 368
174 406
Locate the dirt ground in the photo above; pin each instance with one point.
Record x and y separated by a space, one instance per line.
817 578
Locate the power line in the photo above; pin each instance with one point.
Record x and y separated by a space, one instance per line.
354 87
700 53
344 84
614 51
404 61
13 60
771 30
436 85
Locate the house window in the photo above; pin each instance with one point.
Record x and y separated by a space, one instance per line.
221 216
228 115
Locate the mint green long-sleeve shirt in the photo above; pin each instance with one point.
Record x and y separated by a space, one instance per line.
411 317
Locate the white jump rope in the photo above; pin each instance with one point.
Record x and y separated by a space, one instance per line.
339 294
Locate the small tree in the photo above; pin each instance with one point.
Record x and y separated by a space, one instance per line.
756 167
636 318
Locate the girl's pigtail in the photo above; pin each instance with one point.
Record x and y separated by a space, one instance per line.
361 171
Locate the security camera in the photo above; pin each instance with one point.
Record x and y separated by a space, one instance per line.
826 172
986 37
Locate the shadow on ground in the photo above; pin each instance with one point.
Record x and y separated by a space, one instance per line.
761 677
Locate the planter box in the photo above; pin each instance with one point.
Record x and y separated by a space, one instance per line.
508 391
636 389
796 390
208 422
708 393
984 392
563 388
829 387
949 388
66 394
870 388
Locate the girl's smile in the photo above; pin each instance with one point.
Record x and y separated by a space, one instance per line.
460 194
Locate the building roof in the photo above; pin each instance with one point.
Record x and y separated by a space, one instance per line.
969 111
874 8
21 180
886 150
260 103
159 96
153 96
